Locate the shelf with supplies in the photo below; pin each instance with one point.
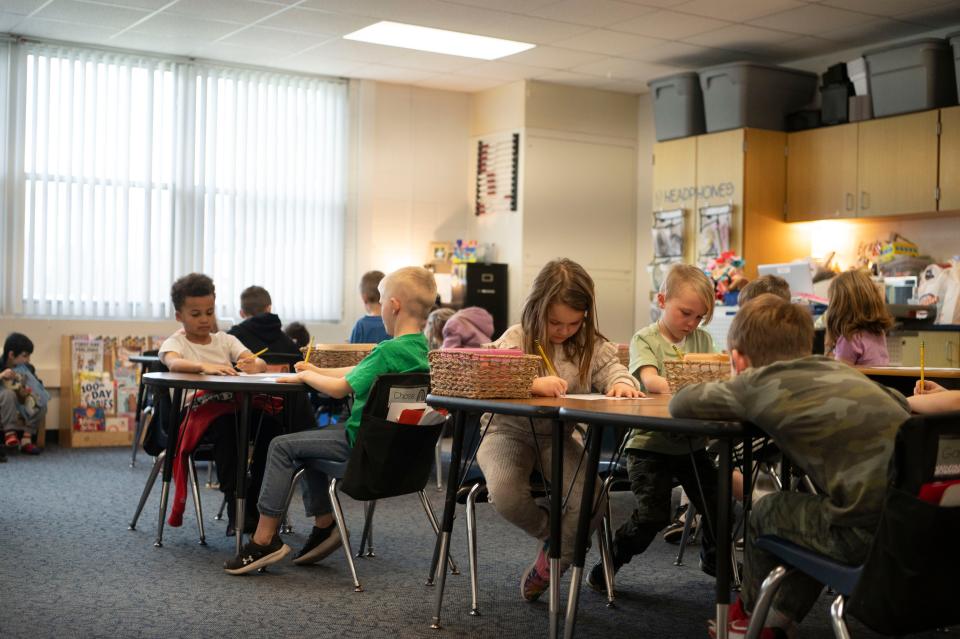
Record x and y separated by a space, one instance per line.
98 391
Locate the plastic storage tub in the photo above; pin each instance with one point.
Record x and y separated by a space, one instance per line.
745 94
912 76
954 40
677 106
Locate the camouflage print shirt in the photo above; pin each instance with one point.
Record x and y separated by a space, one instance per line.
828 418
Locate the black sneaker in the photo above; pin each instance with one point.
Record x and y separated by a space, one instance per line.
673 533
595 578
708 562
253 556
320 543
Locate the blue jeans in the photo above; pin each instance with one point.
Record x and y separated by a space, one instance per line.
320 452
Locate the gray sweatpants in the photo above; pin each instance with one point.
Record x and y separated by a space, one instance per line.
508 455
796 517
10 415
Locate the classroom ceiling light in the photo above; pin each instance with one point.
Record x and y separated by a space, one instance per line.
411 36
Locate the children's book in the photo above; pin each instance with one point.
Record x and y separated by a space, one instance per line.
88 419
126 399
118 424
97 391
87 354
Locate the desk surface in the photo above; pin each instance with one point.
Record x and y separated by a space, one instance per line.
909 371
236 383
145 359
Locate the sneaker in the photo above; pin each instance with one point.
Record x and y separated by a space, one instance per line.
536 578
596 579
320 543
30 449
253 556
737 623
11 443
673 533
708 562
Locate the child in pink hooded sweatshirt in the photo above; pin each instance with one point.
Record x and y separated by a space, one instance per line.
468 328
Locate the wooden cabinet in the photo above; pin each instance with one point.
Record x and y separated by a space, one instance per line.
950 159
822 173
941 348
745 168
897 164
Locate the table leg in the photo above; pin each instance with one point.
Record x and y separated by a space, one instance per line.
138 421
723 537
556 519
243 448
583 527
449 507
173 437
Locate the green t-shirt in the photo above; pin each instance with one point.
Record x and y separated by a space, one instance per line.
402 354
650 348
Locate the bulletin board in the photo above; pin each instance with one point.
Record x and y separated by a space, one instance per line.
98 391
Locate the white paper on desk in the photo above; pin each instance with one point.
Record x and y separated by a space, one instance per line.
265 375
598 396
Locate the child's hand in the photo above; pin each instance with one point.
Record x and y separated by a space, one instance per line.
217 369
926 387
247 364
549 386
305 366
621 389
7 374
291 379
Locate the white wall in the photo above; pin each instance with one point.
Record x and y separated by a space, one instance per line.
646 137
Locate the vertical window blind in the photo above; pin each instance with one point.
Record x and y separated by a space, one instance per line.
130 171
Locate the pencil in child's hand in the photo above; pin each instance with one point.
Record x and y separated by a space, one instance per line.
257 354
546 360
679 352
922 349
306 358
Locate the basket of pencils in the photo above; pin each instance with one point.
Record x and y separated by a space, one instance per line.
693 368
336 355
479 373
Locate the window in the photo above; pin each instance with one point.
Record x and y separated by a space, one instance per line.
130 171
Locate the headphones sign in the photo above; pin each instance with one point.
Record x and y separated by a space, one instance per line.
706 192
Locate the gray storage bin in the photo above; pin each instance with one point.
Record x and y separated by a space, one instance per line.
954 40
677 106
911 76
745 94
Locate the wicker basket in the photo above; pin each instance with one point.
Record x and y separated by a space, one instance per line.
623 352
337 355
682 373
482 375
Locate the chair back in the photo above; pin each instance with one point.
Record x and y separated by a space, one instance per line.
390 459
909 580
157 411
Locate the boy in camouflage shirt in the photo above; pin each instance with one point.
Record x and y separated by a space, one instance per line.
830 420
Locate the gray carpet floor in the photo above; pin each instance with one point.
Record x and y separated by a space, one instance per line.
70 568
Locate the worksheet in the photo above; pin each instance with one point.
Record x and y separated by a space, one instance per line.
598 396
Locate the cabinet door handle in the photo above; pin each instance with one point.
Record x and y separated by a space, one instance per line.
949 348
850 201
864 200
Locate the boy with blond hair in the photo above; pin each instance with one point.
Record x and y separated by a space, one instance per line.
408 296
369 328
833 422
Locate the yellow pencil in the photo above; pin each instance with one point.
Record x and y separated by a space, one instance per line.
922 349
546 360
306 358
678 351
257 354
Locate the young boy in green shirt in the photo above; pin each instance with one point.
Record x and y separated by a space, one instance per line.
407 295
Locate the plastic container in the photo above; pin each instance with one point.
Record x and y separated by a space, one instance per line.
857 72
912 76
677 106
835 103
954 40
745 94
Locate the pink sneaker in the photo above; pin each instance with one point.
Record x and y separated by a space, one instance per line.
536 578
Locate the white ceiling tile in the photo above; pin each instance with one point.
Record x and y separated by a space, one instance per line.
166 25
100 15
552 57
305 64
60 30
626 86
940 16
740 37
877 30
386 73
622 69
357 51
452 82
662 4
884 7
504 71
737 10
514 6
22 7
432 62
597 13
669 25
612 43
242 11
151 5
239 54
803 47
274 39
685 55
166 44
312 21
573 79
811 20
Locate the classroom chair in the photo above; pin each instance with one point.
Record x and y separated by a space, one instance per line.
387 460
908 582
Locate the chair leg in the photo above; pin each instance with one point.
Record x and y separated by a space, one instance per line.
285 526
472 548
768 589
366 537
209 482
769 472
432 517
605 556
151 480
195 485
836 618
688 520
439 463
223 504
344 535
